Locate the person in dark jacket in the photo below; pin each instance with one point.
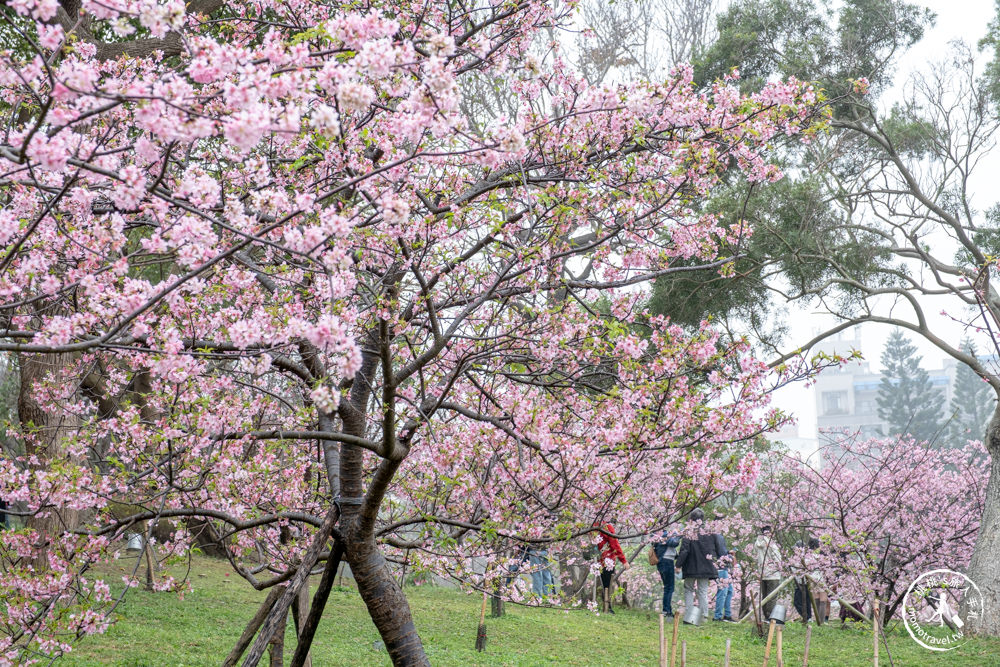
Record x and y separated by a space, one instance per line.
696 560
666 552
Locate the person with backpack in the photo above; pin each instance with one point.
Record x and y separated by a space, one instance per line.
696 559
662 555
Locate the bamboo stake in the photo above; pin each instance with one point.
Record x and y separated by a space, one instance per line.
781 659
767 648
875 630
673 639
728 644
663 653
684 653
805 655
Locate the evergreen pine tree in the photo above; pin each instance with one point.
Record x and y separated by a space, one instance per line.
972 404
906 397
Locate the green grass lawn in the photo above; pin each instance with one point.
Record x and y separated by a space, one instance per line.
158 629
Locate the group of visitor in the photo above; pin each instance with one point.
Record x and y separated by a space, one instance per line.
699 561
706 557
542 582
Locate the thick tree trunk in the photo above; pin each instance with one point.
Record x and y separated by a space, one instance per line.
276 648
984 569
386 604
496 605
50 430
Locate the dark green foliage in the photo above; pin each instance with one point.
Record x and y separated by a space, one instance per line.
972 404
987 237
803 237
812 41
991 42
906 397
796 233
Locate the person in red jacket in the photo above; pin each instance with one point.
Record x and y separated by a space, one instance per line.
610 552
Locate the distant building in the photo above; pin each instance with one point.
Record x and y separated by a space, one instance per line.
789 436
846 396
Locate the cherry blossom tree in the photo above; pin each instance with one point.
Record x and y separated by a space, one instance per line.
884 511
261 271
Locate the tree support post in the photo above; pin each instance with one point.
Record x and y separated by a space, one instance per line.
770 597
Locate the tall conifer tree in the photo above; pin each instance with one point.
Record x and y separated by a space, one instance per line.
906 397
972 403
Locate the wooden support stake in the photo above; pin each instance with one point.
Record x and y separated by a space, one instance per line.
843 602
248 634
684 653
875 631
816 610
607 593
772 595
767 647
781 658
673 639
300 612
728 644
663 652
805 654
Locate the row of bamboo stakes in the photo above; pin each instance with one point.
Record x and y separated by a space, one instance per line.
772 626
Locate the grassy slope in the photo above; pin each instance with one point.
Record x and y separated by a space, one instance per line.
157 629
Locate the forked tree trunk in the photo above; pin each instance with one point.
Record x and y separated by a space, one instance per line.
984 569
387 605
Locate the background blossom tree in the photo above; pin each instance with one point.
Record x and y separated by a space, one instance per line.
885 510
261 271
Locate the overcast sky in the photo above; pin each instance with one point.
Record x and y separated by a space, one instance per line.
956 19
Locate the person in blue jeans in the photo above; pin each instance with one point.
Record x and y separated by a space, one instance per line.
542 582
666 551
724 596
